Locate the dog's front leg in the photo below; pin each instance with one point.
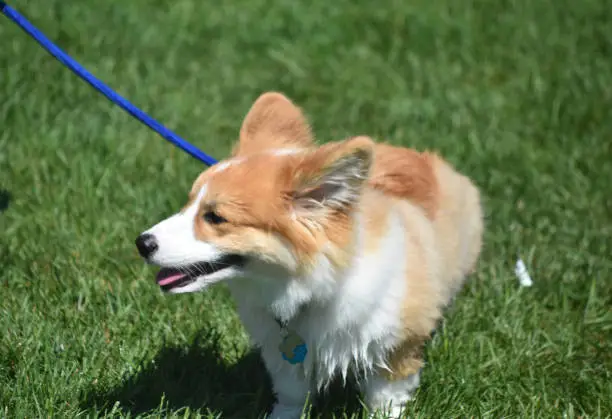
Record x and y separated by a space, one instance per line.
288 383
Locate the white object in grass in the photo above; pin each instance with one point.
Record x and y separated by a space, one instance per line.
521 272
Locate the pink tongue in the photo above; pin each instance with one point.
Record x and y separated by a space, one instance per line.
161 280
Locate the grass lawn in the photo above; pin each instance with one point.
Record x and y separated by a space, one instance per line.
516 93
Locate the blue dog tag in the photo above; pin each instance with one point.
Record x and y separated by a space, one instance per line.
293 348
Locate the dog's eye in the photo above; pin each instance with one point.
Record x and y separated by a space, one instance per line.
213 218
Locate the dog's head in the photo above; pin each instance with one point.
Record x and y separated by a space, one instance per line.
277 204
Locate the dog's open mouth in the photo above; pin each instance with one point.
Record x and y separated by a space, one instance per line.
170 278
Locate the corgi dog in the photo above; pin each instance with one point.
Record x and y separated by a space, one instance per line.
341 257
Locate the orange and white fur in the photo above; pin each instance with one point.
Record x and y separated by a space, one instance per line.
356 246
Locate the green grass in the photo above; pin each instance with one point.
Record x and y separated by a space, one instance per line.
516 93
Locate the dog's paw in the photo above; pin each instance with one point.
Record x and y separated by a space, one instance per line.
282 411
393 412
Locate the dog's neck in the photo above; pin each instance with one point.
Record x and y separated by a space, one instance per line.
316 288
285 299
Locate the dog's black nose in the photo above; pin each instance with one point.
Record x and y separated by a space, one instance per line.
146 244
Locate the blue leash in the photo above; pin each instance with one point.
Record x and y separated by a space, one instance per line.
97 84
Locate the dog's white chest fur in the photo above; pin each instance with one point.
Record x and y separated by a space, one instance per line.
349 319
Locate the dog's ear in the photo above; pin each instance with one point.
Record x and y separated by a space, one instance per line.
332 176
273 122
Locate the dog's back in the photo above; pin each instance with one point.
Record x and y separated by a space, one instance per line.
448 198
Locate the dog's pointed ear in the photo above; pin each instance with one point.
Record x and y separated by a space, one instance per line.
273 122
332 176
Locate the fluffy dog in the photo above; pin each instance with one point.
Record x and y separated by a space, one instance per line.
341 257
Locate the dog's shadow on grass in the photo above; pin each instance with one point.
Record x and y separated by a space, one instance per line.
198 377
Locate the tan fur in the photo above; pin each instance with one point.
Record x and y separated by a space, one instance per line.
434 280
406 359
256 197
273 122
406 174
460 209
250 196
375 218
